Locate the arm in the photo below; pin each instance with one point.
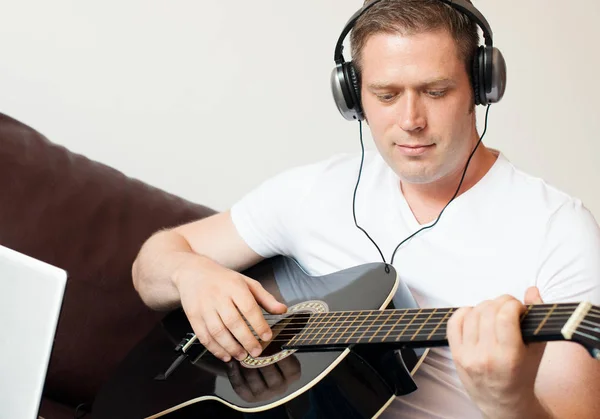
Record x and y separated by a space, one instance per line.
508 379
195 266
568 381
200 243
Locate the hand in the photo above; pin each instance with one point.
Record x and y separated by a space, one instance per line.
260 384
214 299
496 367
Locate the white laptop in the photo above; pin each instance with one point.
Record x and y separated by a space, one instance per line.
31 295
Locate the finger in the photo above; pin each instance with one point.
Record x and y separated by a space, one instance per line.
532 296
249 308
487 321
508 325
470 331
455 327
219 331
232 318
208 341
487 325
264 298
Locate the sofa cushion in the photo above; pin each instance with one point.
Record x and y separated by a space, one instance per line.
91 220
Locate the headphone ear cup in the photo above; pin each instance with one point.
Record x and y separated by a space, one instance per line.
489 75
354 88
497 76
344 86
478 76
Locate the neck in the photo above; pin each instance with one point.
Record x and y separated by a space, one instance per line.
411 327
427 200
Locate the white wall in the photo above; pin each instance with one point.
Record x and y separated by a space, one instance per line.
206 99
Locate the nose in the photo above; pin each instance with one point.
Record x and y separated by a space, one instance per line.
412 115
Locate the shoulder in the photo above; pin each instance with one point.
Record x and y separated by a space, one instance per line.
338 171
535 197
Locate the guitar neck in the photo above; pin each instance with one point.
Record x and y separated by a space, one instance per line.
413 327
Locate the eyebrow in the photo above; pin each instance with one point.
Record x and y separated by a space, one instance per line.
428 83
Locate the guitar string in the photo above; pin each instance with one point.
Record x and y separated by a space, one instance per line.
383 332
375 313
385 319
297 319
530 315
354 339
410 328
441 310
404 312
341 340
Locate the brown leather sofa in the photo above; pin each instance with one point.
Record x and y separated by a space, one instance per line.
90 220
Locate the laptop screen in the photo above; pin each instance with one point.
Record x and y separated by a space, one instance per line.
31 295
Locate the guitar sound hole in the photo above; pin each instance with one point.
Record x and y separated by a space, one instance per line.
284 331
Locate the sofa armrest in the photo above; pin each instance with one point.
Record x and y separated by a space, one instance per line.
90 220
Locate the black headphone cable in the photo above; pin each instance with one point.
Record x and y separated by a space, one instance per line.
362 146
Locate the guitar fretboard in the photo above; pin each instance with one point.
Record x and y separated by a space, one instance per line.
411 327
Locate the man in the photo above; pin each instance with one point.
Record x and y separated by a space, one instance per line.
507 235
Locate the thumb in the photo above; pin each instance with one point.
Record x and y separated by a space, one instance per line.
264 298
532 296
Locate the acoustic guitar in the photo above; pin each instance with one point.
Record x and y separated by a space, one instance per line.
348 345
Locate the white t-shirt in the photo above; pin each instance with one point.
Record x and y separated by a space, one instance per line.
508 232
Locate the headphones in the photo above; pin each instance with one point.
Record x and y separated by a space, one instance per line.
488 68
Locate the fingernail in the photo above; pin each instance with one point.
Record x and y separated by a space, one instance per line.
256 352
226 358
242 356
266 336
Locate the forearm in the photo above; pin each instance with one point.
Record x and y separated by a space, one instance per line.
155 267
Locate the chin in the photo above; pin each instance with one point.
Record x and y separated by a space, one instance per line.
418 177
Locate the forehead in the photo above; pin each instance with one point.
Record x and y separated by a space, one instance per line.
424 55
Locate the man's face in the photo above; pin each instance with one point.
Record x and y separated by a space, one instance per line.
418 103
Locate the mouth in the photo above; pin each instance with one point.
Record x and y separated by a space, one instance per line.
414 150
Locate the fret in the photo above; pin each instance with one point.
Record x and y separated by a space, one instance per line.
424 323
324 327
347 340
297 337
382 324
394 326
312 326
545 319
359 326
443 321
369 325
408 325
527 310
341 323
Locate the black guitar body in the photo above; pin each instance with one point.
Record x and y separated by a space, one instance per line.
356 382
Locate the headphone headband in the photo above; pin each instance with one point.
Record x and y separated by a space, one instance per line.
460 5
488 68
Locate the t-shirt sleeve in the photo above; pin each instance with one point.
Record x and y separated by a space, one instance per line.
268 216
570 259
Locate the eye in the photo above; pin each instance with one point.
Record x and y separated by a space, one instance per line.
387 97
436 93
